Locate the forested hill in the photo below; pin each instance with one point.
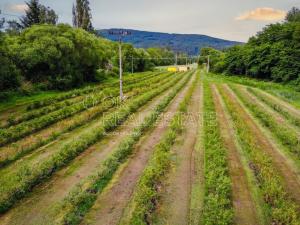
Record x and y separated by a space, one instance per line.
187 43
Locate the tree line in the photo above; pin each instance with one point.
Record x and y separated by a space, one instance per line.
36 53
273 54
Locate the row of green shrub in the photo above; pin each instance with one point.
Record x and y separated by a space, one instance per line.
147 194
277 107
15 187
28 127
82 197
217 204
287 136
107 92
83 91
282 210
14 152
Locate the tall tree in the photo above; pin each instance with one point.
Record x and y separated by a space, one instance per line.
82 17
38 14
293 15
2 21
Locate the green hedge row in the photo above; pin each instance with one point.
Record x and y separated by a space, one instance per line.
82 91
288 137
217 188
31 175
82 197
282 210
106 92
21 130
277 107
13 152
147 194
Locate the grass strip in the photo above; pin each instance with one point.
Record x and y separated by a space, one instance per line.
281 209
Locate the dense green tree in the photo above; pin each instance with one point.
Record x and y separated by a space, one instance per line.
293 15
14 27
216 58
82 17
9 74
59 56
38 14
274 53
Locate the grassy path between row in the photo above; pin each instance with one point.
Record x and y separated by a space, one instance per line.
174 202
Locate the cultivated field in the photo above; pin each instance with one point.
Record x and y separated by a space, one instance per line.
183 148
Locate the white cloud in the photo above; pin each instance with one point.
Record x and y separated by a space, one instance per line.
262 14
17 8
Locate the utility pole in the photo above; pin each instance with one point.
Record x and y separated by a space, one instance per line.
120 34
208 62
132 64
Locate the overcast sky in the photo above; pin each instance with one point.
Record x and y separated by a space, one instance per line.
228 19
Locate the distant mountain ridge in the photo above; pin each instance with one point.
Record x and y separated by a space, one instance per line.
188 43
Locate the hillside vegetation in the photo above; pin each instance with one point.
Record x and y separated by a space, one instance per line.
273 54
187 43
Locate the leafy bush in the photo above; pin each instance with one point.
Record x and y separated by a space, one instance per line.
9 73
63 56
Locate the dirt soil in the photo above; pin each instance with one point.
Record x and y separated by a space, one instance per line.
244 207
175 201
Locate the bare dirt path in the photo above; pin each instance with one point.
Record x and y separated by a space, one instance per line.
175 197
244 206
290 177
110 205
38 207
